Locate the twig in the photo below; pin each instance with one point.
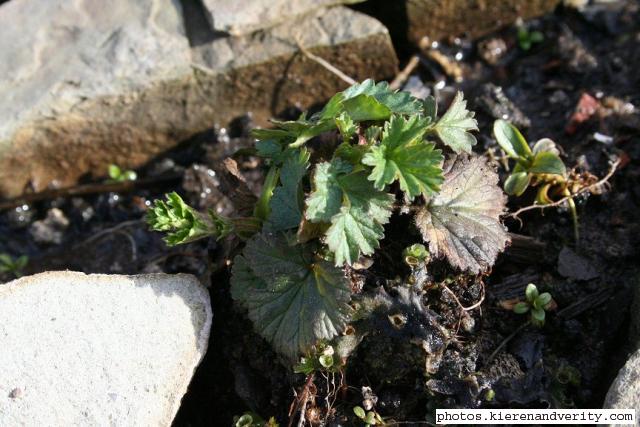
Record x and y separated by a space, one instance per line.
403 75
301 402
587 189
325 64
83 190
476 305
113 229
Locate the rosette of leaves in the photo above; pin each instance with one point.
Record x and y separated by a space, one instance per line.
540 165
535 303
323 210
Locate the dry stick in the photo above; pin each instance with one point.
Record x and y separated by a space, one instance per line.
83 190
301 402
476 305
403 75
325 64
604 180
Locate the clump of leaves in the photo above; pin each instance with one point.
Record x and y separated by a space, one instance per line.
13 266
541 167
117 174
324 359
323 209
535 303
370 418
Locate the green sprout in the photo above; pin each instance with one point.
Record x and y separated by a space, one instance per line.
526 38
370 418
415 254
117 174
536 303
183 224
538 167
325 360
13 266
251 419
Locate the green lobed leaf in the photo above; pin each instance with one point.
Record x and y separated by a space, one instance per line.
547 162
293 298
356 210
430 109
357 229
462 222
361 102
285 205
325 199
511 140
454 126
346 126
403 155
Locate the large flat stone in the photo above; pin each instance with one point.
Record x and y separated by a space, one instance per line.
239 17
82 350
438 19
120 82
624 393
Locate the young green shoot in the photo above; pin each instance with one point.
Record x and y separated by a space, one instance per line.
117 174
535 303
13 266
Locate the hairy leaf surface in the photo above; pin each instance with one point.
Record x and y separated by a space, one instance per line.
403 155
356 210
293 298
462 222
454 126
285 204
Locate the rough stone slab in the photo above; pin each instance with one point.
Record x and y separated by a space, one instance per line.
439 19
240 17
624 392
120 82
81 350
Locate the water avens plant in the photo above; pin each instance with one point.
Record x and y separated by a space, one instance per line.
321 212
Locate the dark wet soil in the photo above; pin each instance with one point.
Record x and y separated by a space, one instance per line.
568 363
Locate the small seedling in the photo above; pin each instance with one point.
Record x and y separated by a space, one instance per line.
536 303
116 174
415 254
251 419
13 266
370 418
325 360
527 38
540 167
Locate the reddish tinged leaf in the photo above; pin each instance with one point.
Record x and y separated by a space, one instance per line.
462 222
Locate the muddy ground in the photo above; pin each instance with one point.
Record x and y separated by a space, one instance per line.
588 61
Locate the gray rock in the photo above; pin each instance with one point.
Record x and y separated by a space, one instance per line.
240 17
574 266
97 82
624 392
99 350
439 19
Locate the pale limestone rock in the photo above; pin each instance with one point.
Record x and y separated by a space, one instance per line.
82 350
